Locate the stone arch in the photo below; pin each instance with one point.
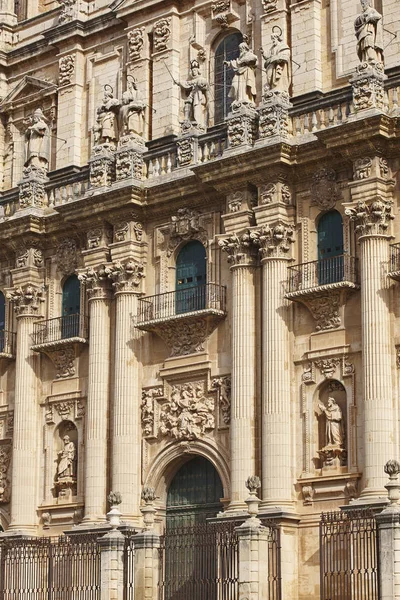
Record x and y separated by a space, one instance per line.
173 456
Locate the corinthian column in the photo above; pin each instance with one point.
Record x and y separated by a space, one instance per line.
244 361
372 219
24 481
126 433
99 297
277 470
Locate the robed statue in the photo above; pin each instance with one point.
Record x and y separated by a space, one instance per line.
132 111
369 33
37 141
334 423
277 63
66 465
243 88
196 90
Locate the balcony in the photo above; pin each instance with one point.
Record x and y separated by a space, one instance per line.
323 286
394 269
183 318
7 344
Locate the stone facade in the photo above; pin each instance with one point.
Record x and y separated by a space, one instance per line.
113 160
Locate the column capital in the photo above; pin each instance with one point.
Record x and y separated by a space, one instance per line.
240 250
273 241
27 300
371 217
125 277
96 282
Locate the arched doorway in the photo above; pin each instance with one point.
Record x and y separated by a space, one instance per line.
191 278
194 494
71 307
330 248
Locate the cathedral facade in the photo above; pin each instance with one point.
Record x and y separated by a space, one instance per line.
199 264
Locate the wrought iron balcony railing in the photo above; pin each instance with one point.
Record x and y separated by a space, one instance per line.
208 298
341 269
61 330
7 343
394 270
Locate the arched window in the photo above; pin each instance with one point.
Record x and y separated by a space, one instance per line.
191 278
71 307
330 248
227 49
2 321
20 7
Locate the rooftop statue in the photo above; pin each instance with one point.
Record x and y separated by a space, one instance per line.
37 141
106 127
277 63
243 89
369 33
132 111
196 89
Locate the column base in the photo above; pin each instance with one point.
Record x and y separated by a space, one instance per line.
370 496
20 531
235 509
278 505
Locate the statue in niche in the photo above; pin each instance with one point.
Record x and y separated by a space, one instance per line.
243 89
132 111
333 454
106 128
66 465
277 63
37 141
369 34
196 88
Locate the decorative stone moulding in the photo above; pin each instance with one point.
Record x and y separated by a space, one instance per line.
242 125
329 488
274 115
223 14
102 165
368 86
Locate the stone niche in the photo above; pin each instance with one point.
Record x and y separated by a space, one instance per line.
66 460
331 427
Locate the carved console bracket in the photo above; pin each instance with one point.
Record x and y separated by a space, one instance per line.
63 355
187 333
334 487
325 302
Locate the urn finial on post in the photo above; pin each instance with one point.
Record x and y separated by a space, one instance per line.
114 514
253 483
392 468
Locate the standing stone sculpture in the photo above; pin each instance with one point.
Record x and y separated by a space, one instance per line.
37 141
243 89
196 89
369 33
66 465
277 63
333 453
132 110
106 127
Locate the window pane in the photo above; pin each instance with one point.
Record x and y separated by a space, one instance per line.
228 49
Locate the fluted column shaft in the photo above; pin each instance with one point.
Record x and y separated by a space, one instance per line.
242 427
126 435
379 429
276 414
25 438
97 408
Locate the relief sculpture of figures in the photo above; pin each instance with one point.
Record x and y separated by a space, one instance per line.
106 128
369 33
243 89
196 89
67 459
334 423
37 141
132 112
277 63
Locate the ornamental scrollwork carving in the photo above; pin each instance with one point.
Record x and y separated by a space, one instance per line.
96 282
66 67
186 337
63 359
362 168
5 483
189 414
326 310
269 5
327 366
185 225
239 250
67 256
222 385
325 191
32 257
273 241
161 34
371 218
135 42
27 300
125 276
147 409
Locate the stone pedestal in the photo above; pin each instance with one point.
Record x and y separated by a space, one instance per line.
129 158
112 565
273 114
102 165
253 564
187 148
368 87
147 565
32 188
388 522
242 126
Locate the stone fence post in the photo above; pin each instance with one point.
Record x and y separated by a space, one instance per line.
112 546
388 522
147 545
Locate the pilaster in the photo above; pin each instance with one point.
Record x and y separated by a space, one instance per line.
241 257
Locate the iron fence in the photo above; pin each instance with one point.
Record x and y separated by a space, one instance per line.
7 342
322 272
349 556
60 328
64 568
274 560
200 562
210 296
394 258
129 568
